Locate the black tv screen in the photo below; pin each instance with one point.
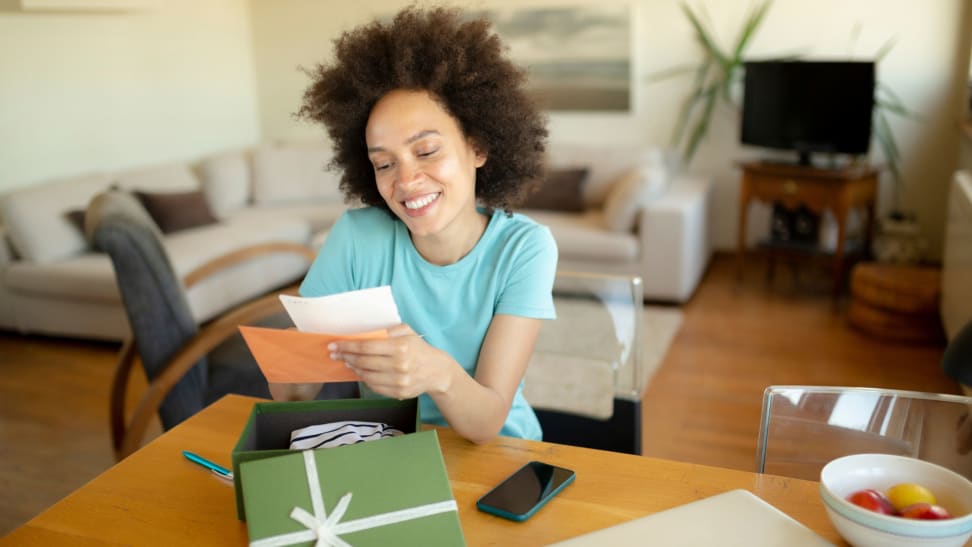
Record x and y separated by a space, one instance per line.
808 106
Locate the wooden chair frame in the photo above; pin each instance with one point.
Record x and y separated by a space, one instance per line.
127 436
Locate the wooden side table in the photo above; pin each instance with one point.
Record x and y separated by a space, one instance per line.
839 190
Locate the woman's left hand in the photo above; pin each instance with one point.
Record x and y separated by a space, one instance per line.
401 366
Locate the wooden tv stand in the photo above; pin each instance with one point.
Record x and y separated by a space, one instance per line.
839 190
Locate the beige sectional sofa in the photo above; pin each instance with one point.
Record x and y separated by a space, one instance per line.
640 216
52 283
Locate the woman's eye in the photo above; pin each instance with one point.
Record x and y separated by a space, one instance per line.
426 153
382 166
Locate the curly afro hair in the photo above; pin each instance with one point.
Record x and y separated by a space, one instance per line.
461 64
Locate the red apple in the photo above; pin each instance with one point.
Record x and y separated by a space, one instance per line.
925 511
872 500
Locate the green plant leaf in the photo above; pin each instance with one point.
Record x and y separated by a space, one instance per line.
749 29
703 36
885 49
888 100
702 124
889 147
672 72
688 106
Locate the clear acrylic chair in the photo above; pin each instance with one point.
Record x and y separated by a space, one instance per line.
804 427
585 377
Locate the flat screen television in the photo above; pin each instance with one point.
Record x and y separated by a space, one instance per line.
808 106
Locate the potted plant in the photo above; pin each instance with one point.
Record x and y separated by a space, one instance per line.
720 71
715 76
899 238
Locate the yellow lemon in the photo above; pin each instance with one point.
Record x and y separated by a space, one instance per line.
904 494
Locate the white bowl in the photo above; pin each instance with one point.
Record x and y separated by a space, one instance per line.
864 528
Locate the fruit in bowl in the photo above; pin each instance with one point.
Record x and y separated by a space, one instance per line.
862 526
925 511
906 494
872 500
906 499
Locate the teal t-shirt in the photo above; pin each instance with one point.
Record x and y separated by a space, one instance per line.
510 271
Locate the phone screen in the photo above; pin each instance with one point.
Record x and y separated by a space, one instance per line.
525 491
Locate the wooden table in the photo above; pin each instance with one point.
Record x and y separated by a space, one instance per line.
156 497
838 190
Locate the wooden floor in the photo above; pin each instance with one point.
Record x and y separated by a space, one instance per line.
702 405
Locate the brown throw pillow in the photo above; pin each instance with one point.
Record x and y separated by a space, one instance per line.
76 218
561 190
174 211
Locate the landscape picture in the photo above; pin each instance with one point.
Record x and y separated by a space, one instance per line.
578 58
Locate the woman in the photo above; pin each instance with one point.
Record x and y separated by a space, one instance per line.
434 134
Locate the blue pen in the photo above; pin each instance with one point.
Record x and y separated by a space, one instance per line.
219 470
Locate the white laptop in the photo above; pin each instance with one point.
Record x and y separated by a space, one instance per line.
733 519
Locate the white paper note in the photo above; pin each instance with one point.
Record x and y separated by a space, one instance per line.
350 312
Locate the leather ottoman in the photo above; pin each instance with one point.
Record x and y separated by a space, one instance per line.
896 302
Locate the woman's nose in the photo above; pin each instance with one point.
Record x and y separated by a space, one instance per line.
407 173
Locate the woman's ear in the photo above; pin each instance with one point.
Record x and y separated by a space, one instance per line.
480 153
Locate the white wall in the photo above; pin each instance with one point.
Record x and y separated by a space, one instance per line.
82 92
922 68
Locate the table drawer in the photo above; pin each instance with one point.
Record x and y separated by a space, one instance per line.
791 190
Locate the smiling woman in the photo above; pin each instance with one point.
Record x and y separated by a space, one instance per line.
432 130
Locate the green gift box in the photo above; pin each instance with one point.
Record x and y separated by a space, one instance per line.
267 431
392 491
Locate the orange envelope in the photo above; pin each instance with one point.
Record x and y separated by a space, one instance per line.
293 357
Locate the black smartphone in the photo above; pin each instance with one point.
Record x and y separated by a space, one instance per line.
521 494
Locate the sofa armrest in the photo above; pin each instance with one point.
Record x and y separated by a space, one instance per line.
673 232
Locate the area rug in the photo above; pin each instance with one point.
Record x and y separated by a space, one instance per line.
586 356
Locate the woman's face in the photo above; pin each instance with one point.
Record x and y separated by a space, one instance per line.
425 167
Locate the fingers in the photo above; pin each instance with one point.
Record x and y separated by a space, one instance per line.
386 347
400 330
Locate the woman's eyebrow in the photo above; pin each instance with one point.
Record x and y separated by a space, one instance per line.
421 135
416 137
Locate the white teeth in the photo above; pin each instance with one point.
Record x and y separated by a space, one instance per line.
421 202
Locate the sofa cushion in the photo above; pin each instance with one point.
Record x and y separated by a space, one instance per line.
191 248
320 215
292 174
90 276
87 276
632 191
560 190
225 178
35 216
174 211
173 177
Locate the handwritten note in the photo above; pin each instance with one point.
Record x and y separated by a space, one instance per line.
344 313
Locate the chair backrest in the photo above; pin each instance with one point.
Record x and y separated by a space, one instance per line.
585 377
152 294
804 427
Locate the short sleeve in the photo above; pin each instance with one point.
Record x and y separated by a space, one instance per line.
529 290
331 272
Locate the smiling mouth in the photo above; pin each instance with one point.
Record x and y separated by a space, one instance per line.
418 203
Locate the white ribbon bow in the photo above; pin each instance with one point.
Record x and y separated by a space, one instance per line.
327 529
